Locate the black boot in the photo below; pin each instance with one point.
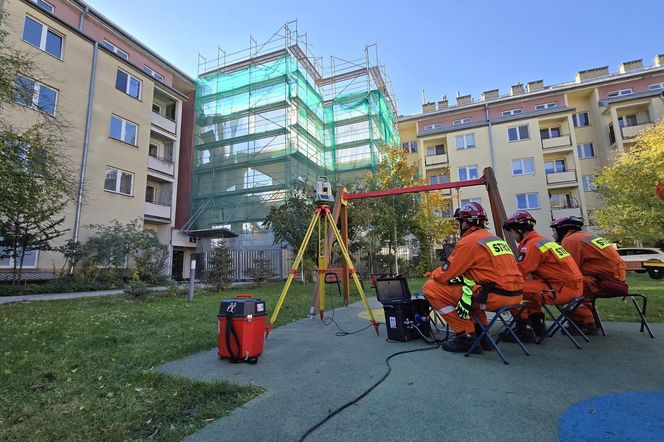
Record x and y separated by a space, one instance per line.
538 324
460 343
523 331
486 345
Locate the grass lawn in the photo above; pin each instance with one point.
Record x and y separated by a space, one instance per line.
81 369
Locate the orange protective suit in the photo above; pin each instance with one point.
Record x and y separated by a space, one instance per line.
597 260
551 275
485 259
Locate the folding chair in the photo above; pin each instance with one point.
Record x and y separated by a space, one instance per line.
562 318
507 323
333 278
641 310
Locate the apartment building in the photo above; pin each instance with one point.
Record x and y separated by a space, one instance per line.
545 143
123 105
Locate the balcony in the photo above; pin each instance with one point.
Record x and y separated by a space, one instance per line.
566 177
162 165
557 142
163 122
565 211
161 210
633 131
435 159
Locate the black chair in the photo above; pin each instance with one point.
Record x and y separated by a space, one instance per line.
507 323
333 278
641 310
561 319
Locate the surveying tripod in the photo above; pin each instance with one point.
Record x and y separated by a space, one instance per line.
321 219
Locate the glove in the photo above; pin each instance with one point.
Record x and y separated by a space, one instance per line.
427 275
463 306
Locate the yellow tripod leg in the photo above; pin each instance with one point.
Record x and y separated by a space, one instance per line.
322 266
351 268
293 270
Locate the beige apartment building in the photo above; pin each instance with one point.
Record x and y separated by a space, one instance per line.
544 142
123 106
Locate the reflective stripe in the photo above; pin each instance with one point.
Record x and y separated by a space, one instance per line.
597 241
499 247
446 310
488 239
558 250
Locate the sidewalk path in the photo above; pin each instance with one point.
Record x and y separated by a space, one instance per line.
56 296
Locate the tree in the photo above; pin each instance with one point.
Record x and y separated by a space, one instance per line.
261 270
36 183
220 267
632 211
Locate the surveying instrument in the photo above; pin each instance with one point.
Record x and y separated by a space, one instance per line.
321 220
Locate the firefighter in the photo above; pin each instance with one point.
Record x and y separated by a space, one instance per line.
480 274
550 273
602 268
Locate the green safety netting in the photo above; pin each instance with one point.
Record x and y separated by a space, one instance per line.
262 128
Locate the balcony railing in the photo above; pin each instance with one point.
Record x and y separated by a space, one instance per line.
163 122
565 211
633 131
158 210
161 165
561 141
569 176
435 159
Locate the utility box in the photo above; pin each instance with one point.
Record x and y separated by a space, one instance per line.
400 319
241 329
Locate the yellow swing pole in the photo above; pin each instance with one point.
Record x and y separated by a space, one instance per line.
293 270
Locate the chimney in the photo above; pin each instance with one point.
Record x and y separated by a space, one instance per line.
591 73
658 60
463 99
490 95
630 66
536 85
428 107
443 103
517 89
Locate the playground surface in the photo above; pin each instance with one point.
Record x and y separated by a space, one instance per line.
612 389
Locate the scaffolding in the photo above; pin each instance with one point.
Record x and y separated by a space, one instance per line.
273 115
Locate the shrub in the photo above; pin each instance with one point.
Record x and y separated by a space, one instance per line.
220 267
261 270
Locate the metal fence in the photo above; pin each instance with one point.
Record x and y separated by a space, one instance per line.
280 261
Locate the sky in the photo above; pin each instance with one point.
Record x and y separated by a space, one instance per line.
442 47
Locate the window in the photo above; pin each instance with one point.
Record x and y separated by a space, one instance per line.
116 50
585 150
517 111
628 120
656 86
550 132
627 91
433 126
518 133
581 119
438 149
467 173
555 166
128 84
562 201
465 141
523 166
589 183
525 201
42 37
546 106
156 108
149 194
119 181
29 259
153 150
461 121
123 130
438 179
413 146
35 95
45 6
612 134
151 72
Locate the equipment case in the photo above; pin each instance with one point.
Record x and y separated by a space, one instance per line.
241 328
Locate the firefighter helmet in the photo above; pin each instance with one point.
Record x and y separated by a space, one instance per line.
471 211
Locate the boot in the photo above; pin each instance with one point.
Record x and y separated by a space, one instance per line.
460 343
486 345
523 331
538 324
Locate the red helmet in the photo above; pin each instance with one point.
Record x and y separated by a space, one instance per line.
471 211
520 217
567 222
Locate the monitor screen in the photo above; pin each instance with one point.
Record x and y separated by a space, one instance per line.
392 289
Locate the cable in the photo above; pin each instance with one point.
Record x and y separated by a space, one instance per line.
342 332
366 392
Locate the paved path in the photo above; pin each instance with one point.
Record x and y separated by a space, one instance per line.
307 372
56 296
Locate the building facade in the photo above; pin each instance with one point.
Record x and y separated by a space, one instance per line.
545 143
123 107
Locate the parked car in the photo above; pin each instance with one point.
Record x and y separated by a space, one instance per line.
634 256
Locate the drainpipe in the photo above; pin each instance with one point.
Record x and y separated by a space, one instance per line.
493 155
86 145
82 17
